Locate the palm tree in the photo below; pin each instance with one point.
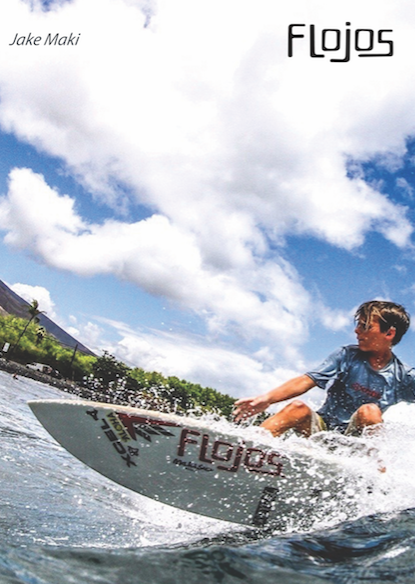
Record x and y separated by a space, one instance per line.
34 311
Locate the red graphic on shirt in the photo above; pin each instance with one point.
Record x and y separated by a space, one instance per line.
366 390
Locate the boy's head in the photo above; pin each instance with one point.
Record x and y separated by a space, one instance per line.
388 315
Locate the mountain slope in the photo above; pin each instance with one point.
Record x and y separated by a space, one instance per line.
12 303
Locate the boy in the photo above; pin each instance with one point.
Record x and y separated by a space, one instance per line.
361 381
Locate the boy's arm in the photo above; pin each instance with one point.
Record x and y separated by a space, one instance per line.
249 406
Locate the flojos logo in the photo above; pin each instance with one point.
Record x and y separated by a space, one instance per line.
340 44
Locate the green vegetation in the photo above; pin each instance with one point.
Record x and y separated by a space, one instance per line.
105 375
29 342
34 311
156 390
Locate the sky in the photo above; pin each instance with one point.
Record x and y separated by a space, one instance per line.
175 189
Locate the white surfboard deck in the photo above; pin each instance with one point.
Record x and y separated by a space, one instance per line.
184 462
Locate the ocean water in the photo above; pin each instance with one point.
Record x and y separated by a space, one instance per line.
62 523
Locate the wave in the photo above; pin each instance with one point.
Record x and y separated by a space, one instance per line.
62 522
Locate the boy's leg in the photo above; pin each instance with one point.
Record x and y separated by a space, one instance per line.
366 416
296 415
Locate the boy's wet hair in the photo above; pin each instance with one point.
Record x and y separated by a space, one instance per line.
389 315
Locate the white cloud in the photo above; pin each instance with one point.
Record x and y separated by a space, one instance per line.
31 209
90 333
191 358
260 300
407 189
222 134
39 293
336 320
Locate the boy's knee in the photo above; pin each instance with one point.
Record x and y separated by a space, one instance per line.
295 415
299 409
369 414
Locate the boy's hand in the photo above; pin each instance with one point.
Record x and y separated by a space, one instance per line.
249 406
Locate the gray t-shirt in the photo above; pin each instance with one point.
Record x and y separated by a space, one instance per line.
350 382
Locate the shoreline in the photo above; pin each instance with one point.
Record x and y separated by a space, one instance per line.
137 399
20 370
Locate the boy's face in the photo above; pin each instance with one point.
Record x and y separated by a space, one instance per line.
371 339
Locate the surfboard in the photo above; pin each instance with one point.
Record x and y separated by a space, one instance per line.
194 465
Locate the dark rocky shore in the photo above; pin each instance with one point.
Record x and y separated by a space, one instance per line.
68 386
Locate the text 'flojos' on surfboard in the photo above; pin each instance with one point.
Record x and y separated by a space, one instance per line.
121 428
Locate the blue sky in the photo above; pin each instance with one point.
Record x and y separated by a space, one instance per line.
205 208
